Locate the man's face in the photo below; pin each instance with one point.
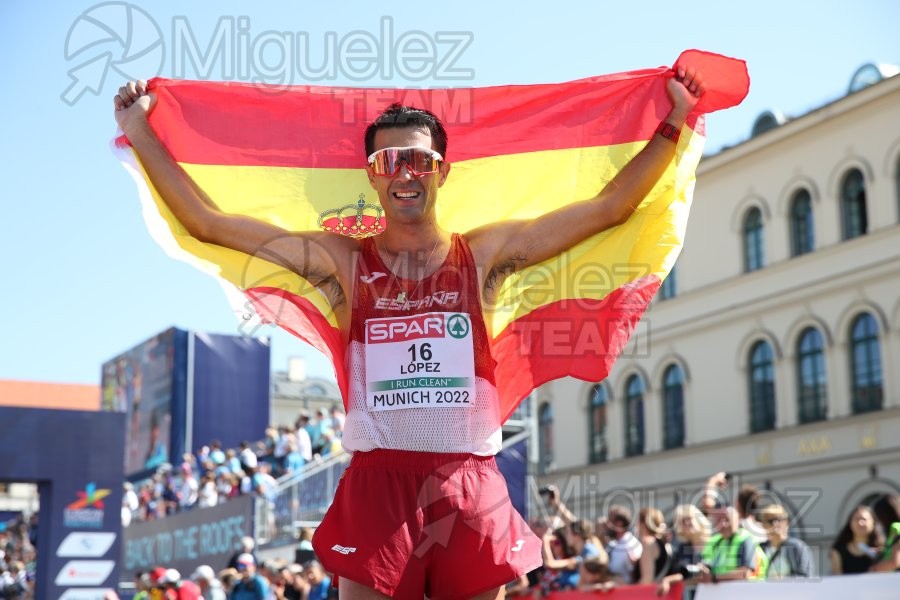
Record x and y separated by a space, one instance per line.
246 569
406 198
726 521
776 527
314 575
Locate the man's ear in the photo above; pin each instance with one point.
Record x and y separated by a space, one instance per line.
371 175
445 172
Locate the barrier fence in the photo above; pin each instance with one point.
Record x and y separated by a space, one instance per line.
300 500
628 592
870 586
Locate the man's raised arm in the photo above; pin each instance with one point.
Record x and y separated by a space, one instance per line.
507 247
307 253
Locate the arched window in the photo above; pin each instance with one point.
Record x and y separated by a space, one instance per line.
545 437
812 393
673 407
762 388
634 416
669 286
754 250
597 424
854 219
802 237
865 364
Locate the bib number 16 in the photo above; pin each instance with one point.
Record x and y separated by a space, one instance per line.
422 350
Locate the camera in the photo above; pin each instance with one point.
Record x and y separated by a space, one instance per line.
691 571
548 490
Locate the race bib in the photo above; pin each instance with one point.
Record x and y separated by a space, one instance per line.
420 361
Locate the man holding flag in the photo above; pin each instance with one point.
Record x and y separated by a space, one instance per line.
407 309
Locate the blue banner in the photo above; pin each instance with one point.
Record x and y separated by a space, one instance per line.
75 458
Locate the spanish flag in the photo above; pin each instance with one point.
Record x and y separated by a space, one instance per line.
294 156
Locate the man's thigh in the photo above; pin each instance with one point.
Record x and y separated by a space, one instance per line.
350 590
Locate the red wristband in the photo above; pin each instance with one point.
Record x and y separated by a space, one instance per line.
669 131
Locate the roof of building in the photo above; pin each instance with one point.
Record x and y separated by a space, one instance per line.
40 394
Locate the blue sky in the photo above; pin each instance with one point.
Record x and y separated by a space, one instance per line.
83 281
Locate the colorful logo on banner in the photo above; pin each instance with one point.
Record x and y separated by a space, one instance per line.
87 510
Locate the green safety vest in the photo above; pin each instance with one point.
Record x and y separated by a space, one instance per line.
893 535
722 555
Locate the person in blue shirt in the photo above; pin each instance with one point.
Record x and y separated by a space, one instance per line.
319 581
250 586
583 544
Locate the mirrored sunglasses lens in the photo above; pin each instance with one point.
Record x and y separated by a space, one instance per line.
385 162
422 162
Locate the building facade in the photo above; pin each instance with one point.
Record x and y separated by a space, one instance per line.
293 391
772 351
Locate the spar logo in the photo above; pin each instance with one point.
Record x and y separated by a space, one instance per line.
401 329
458 326
87 510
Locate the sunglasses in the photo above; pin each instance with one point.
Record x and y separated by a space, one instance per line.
773 520
419 161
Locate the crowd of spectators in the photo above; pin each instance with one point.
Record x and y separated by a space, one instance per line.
18 556
245 578
714 540
213 474
750 539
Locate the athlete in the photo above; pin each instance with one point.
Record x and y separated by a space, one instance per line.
422 508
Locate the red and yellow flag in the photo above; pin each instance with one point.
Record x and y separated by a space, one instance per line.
295 156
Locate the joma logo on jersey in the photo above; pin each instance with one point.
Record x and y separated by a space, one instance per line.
404 328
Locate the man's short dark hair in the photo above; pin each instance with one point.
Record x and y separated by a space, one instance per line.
619 517
747 499
397 116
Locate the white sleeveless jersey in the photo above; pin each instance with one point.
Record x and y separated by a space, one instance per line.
421 375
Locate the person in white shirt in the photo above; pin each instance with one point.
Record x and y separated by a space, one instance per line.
624 549
189 489
130 504
304 444
208 495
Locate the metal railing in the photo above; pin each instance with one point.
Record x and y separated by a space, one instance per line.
297 500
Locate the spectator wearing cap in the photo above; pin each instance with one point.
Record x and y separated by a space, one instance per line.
248 544
210 587
156 586
250 585
176 589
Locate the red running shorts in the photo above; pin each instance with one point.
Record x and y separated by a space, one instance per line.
414 523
